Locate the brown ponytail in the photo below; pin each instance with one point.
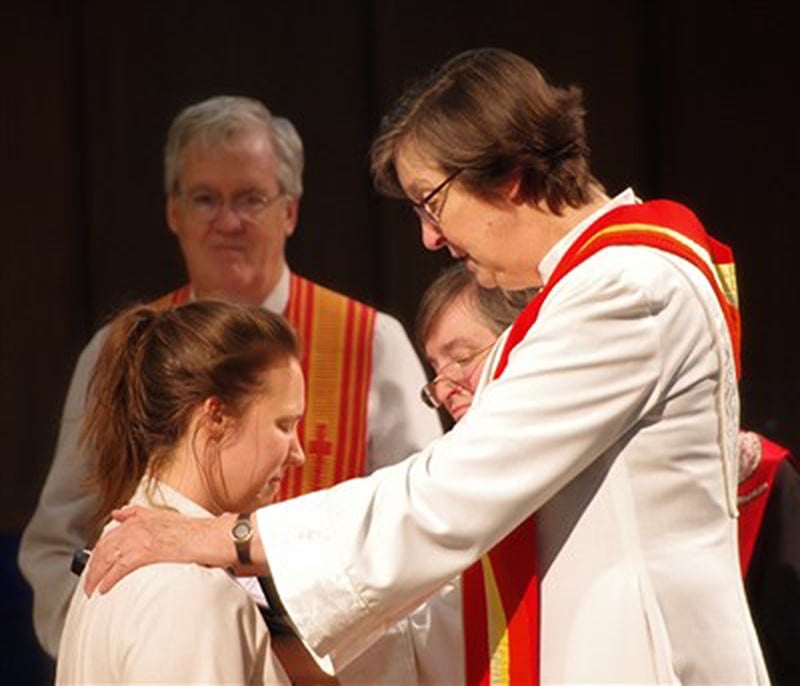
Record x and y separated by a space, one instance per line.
155 369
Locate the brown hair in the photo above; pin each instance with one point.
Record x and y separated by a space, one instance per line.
156 368
497 308
492 114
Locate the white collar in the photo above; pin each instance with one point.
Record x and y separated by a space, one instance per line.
154 493
554 255
279 298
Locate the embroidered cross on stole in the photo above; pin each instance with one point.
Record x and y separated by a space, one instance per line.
336 335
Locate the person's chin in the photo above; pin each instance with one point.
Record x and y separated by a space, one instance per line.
458 412
235 288
266 496
485 278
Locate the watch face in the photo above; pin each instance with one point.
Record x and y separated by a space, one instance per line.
242 530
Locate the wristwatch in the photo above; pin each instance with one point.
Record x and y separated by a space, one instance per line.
242 534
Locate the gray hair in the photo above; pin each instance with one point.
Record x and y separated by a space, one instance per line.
223 117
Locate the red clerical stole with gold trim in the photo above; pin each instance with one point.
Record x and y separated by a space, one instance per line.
501 590
754 493
336 335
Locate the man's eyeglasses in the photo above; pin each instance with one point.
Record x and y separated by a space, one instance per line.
455 374
205 206
426 210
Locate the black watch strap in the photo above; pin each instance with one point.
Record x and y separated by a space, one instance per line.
242 534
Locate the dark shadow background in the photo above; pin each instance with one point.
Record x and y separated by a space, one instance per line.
695 101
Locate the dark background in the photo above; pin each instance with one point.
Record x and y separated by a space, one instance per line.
695 101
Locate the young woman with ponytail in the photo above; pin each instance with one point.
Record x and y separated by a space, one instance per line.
193 409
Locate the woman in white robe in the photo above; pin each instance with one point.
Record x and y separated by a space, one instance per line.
614 419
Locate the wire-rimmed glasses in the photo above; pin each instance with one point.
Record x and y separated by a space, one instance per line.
454 374
430 213
205 206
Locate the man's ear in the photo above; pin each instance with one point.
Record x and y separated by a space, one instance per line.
171 211
292 212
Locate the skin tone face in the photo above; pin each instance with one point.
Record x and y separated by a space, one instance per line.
231 256
503 241
457 337
253 453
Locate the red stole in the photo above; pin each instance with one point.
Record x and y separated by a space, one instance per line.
501 590
754 493
336 335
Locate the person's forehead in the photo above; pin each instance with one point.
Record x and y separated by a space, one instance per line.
416 171
248 151
284 385
457 327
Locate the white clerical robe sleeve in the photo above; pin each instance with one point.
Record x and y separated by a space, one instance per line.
60 523
350 560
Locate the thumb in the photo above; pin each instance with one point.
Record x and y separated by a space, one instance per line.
126 513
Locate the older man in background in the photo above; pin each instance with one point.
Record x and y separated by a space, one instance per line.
233 176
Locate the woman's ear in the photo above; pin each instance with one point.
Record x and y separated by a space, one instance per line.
511 189
215 420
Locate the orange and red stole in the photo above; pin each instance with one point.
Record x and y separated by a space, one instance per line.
335 335
501 590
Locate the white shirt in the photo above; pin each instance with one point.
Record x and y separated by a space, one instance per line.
609 422
167 623
397 424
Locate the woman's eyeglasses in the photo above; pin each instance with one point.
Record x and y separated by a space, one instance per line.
426 210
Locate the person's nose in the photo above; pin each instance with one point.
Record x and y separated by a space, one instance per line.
297 456
446 389
227 219
455 398
432 237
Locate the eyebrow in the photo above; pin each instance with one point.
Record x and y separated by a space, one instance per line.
412 192
198 187
419 189
451 345
424 189
243 191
